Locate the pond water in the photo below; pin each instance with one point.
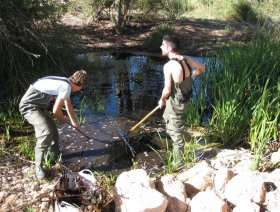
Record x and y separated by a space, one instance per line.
123 87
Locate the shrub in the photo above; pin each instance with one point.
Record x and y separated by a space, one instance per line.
154 41
243 11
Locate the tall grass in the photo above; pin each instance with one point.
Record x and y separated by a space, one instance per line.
265 121
26 148
246 94
166 156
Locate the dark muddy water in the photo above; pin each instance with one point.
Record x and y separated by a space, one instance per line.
122 89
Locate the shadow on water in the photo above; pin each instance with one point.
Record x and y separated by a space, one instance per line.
123 87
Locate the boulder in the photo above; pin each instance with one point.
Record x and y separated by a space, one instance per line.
175 192
134 191
208 201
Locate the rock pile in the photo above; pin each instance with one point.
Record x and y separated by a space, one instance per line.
225 184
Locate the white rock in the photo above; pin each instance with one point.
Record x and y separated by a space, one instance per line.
221 178
275 156
175 192
208 201
198 177
246 206
245 187
134 191
201 168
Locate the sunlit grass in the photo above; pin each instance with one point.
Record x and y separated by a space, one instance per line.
245 95
166 155
264 123
106 180
26 148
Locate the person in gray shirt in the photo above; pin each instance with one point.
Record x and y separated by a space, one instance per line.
34 107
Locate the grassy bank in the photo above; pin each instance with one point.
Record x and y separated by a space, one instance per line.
243 88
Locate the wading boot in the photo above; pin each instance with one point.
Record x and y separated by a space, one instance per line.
40 174
177 162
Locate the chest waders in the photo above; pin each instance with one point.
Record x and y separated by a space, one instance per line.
174 113
33 106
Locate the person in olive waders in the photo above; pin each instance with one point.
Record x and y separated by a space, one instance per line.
34 107
178 79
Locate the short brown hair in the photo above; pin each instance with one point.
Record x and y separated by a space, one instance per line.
79 78
173 41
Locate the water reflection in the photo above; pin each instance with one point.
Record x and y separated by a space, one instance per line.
123 88
126 82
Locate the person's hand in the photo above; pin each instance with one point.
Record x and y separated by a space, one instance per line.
76 126
195 73
161 103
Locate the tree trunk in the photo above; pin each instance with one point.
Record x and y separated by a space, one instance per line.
121 13
118 16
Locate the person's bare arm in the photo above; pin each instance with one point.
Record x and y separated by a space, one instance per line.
199 67
71 113
167 86
57 111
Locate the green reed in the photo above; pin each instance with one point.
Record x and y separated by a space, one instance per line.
166 156
242 109
9 119
26 148
265 122
106 180
80 114
189 154
199 104
192 115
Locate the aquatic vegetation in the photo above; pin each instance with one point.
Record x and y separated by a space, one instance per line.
245 95
166 155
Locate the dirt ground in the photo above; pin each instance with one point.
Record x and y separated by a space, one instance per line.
198 37
19 188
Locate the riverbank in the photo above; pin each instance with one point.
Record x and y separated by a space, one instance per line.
18 173
198 37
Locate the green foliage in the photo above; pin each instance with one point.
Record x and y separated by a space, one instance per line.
189 154
174 8
93 101
208 3
243 11
265 121
200 102
29 209
26 148
89 8
6 129
166 157
192 115
80 114
154 41
50 160
147 6
245 95
21 45
106 180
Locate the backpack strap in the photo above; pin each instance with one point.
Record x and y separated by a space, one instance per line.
52 78
188 65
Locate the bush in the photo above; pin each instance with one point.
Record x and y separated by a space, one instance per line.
154 41
244 12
